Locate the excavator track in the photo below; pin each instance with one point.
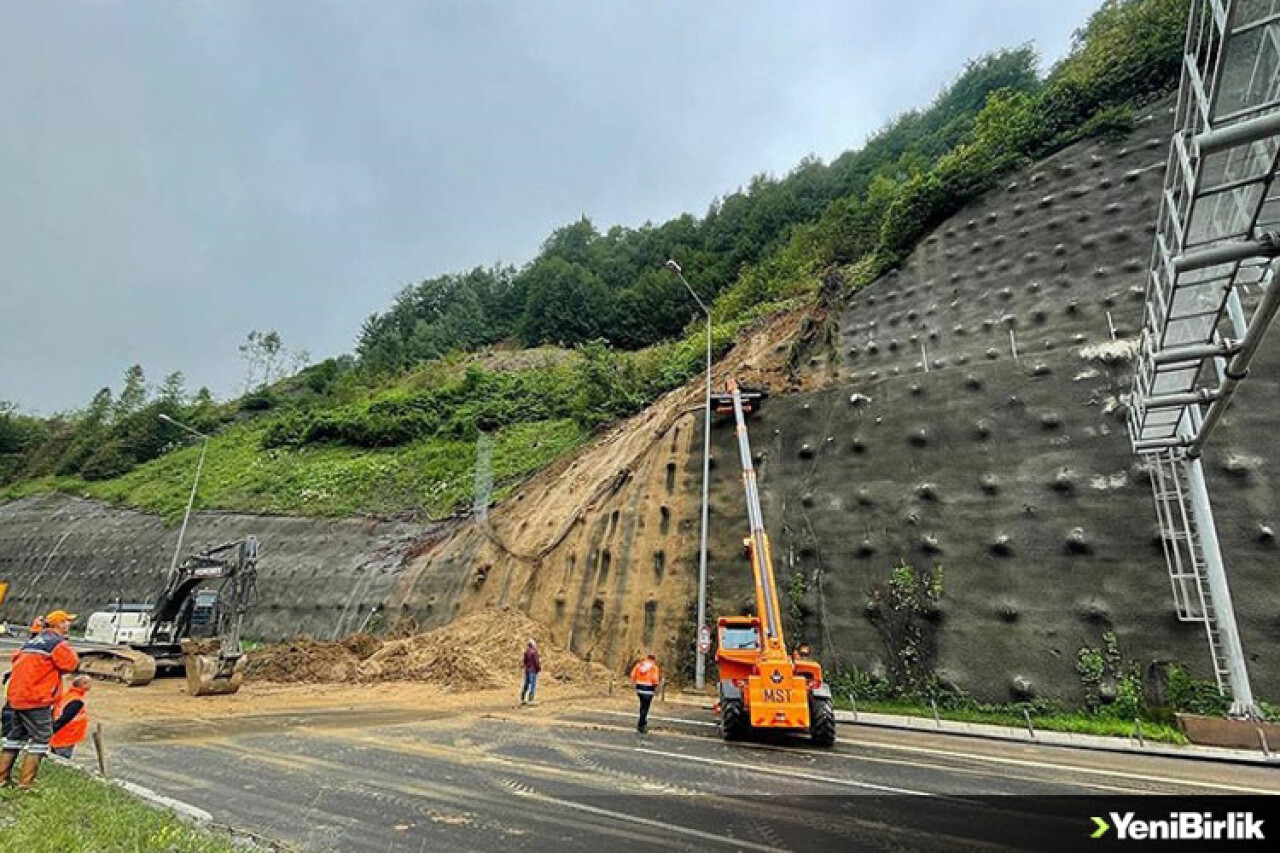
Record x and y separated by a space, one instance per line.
125 665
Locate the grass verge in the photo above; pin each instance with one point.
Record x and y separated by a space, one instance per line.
73 813
1077 723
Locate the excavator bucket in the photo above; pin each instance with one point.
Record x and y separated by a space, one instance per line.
211 672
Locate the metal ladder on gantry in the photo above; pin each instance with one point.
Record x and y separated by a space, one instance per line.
1214 254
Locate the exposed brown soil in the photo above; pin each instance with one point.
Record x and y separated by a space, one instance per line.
601 546
311 661
480 651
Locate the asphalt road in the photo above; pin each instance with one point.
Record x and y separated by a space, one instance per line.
408 781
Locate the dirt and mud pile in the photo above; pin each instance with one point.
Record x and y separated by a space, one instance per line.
477 652
311 661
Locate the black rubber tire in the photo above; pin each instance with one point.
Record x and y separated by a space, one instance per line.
733 720
822 722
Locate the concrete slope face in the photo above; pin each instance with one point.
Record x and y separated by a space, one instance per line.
977 425
322 578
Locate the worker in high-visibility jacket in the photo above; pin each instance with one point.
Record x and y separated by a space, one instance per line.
70 718
35 686
646 676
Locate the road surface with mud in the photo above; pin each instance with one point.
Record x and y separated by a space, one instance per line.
578 777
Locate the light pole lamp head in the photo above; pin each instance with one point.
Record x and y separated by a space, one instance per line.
671 263
167 419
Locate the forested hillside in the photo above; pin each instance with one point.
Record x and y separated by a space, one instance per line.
392 429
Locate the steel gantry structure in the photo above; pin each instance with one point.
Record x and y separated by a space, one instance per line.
1215 244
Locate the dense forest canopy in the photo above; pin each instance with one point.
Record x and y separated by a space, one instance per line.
608 293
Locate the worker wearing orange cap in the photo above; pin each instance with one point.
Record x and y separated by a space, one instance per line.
35 686
645 676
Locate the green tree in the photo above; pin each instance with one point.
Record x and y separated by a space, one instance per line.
133 396
173 389
565 304
262 353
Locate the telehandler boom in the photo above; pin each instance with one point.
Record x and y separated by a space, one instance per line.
761 685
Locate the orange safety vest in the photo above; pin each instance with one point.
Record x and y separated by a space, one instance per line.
35 680
73 732
645 673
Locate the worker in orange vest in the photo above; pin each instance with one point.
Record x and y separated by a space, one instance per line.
35 686
645 676
70 718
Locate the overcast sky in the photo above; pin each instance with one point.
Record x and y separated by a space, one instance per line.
174 174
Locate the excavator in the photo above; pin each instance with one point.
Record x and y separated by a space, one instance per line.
189 628
762 687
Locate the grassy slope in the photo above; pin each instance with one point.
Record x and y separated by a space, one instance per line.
428 478
72 813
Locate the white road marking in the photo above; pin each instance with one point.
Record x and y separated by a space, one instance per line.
977 756
774 771
736 843
1071 768
663 719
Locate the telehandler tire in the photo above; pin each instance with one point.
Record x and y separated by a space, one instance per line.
822 722
733 720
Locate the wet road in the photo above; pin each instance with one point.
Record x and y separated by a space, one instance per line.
401 781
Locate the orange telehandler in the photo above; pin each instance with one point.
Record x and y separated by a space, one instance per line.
761 685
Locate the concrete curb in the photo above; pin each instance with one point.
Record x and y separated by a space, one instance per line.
178 807
1041 737
1052 738
241 838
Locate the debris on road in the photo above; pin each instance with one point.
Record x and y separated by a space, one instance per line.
476 652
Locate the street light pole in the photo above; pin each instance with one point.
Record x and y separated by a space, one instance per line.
700 664
191 499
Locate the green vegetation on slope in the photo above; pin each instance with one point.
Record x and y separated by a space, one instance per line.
407 393
72 813
406 448
429 478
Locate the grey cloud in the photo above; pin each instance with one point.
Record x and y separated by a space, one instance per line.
179 173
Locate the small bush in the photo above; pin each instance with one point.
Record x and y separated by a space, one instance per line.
1188 695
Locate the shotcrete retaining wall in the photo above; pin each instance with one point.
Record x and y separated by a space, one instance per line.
321 578
977 424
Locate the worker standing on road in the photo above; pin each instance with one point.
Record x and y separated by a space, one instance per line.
35 686
532 666
70 718
645 676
